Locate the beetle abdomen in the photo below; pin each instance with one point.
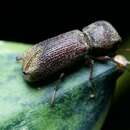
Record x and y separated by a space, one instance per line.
61 51
53 55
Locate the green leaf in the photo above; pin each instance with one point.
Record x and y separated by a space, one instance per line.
23 107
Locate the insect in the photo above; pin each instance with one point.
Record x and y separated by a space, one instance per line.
54 55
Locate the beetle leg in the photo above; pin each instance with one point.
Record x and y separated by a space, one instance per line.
19 58
93 90
103 58
100 58
55 89
91 69
90 63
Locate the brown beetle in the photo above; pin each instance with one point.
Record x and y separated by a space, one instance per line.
56 54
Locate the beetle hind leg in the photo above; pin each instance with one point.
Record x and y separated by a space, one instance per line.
55 89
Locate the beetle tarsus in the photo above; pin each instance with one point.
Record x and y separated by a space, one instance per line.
92 90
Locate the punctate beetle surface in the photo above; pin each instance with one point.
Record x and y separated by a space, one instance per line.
54 55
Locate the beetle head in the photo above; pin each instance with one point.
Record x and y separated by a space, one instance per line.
102 37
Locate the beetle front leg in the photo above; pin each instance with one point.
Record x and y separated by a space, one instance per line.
90 63
55 89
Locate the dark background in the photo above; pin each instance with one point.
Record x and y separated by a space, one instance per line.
32 22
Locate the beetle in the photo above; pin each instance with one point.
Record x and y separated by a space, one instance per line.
54 55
